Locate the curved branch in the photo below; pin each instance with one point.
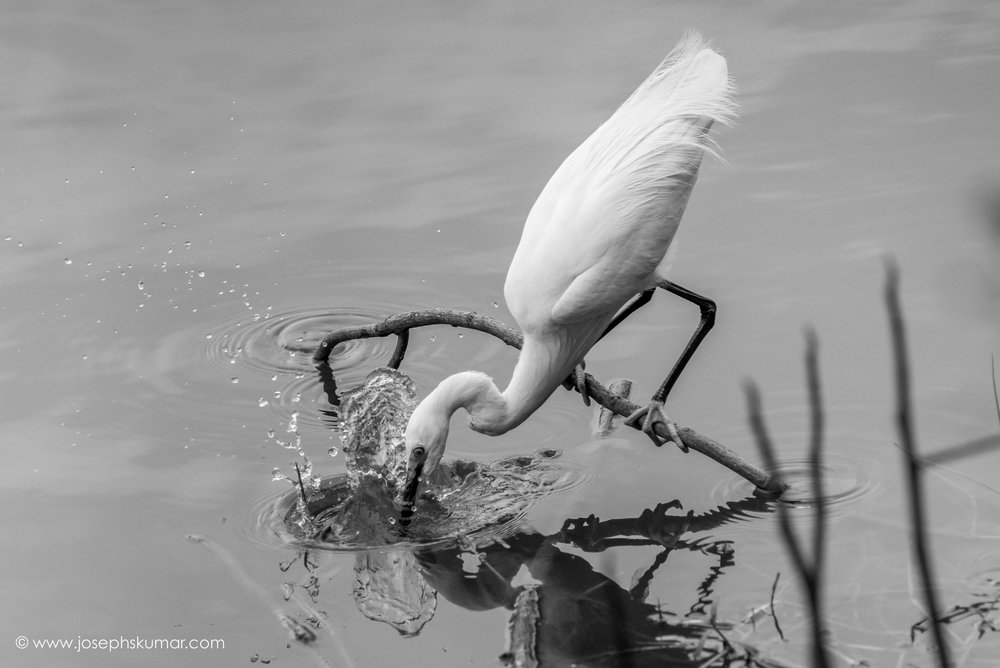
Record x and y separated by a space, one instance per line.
399 325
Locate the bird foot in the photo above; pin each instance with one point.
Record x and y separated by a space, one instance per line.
578 380
581 383
666 529
584 533
650 416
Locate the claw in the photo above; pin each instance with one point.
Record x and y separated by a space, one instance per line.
652 414
581 383
578 380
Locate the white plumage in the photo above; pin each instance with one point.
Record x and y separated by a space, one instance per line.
598 235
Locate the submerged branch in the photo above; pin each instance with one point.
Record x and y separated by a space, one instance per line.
400 325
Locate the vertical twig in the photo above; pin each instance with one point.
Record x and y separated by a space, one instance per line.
771 462
774 615
913 467
810 571
815 461
996 397
302 488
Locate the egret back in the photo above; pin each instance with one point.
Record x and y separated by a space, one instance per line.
603 224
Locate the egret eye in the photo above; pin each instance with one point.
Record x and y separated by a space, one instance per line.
419 452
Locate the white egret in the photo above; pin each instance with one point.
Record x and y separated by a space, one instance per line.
597 236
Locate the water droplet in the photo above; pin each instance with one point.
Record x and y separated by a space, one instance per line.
277 394
201 274
142 285
234 380
68 261
496 304
270 433
333 452
262 402
297 397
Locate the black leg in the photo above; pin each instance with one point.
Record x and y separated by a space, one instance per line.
637 303
653 413
575 380
707 307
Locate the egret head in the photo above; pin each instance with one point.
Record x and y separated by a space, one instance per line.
426 435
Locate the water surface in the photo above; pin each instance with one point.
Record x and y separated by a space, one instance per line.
193 191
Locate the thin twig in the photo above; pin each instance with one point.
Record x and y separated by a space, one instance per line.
809 570
296 629
913 467
400 324
996 397
968 449
302 488
774 614
816 464
815 581
755 407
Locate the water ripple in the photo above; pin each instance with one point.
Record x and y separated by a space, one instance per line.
847 482
284 343
492 502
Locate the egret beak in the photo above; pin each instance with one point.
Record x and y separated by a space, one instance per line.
413 473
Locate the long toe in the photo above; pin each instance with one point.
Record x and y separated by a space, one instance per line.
652 414
581 384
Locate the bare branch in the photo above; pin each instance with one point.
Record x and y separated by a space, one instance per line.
914 469
815 462
996 397
399 325
809 571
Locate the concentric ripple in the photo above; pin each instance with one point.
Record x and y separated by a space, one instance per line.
846 482
284 342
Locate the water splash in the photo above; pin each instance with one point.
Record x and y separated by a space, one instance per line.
373 419
361 510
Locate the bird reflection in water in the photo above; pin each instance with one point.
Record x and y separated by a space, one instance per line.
563 611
